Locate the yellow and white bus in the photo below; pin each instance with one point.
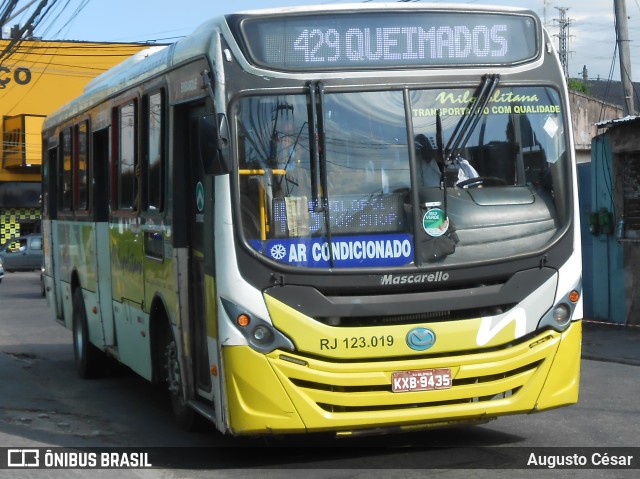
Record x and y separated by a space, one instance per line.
346 218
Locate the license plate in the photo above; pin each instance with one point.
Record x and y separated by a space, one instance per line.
420 380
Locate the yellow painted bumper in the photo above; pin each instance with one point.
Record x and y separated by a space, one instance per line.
286 392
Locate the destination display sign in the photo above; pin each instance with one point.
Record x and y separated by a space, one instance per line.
366 40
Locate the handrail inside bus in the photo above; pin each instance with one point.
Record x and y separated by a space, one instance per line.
264 221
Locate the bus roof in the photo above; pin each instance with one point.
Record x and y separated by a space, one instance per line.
381 6
140 66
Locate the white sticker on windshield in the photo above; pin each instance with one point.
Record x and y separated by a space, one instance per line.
551 126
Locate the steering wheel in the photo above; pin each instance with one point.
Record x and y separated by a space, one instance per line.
481 181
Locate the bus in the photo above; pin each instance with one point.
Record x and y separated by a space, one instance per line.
345 219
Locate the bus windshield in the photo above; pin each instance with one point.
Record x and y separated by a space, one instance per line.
364 179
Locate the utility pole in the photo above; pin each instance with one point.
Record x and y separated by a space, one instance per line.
563 40
622 39
546 4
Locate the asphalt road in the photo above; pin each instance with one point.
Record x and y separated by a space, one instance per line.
43 403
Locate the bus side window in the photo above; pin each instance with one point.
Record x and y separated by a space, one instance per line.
65 189
127 167
50 185
154 152
100 174
81 166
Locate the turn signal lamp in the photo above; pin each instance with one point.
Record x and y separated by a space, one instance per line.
574 296
243 320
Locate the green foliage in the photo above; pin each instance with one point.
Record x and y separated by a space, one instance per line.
578 85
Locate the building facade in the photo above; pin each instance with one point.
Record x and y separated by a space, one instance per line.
37 77
586 111
614 222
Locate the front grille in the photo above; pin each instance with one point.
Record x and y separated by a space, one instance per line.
479 380
431 317
463 399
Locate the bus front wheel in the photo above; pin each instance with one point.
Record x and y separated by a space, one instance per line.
87 356
185 416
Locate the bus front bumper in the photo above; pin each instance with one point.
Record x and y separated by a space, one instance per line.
285 392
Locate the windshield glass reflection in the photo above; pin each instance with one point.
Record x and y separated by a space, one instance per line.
393 200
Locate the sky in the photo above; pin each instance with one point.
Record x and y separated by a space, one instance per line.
591 24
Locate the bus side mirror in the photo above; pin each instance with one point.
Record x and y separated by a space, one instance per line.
213 144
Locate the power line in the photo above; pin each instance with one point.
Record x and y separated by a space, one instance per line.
37 15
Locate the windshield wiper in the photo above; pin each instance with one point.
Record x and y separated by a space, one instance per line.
317 143
313 148
462 132
468 122
323 168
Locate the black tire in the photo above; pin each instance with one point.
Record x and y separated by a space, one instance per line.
89 359
185 416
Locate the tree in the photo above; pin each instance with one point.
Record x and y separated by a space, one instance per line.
578 85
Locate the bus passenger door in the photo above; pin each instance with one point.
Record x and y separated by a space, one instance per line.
198 199
50 171
100 145
125 236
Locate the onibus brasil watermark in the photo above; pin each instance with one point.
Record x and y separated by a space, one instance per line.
41 458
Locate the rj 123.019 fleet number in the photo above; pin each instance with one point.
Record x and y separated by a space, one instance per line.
357 342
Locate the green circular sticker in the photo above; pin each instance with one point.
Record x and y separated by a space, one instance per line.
435 222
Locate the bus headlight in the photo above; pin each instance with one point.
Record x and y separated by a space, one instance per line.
561 314
260 334
559 317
